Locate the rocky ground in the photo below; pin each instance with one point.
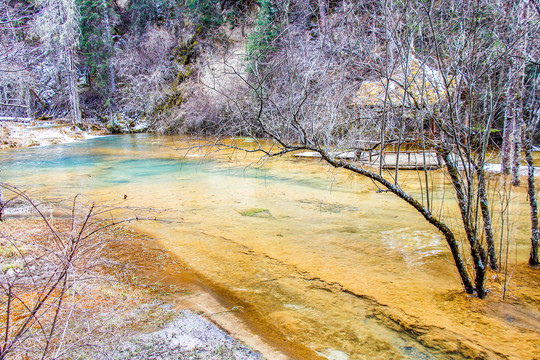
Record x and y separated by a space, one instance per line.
38 133
189 336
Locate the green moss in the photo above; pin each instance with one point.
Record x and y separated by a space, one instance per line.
17 264
182 75
255 212
184 53
173 100
244 139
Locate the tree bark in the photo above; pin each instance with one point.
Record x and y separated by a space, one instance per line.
486 217
516 156
73 91
535 235
323 18
1 205
477 252
108 41
514 105
108 44
508 131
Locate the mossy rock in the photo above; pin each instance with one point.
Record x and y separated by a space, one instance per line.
45 117
256 212
245 139
114 128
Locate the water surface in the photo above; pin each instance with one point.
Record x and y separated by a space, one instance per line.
330 264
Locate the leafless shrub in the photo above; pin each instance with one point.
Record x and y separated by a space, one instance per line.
51 298
145 71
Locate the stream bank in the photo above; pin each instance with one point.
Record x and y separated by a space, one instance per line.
141 311
16 134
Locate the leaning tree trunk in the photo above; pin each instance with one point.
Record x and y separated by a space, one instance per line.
428 215
533 258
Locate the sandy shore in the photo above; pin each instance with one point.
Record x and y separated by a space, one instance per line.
204 317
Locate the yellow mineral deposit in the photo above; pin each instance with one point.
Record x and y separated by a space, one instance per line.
335 270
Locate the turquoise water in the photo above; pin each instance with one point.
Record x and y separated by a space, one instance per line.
95 163
129 159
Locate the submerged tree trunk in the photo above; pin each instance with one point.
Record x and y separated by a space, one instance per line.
477 252
486 217
533 258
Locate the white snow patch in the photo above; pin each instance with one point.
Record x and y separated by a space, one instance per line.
523 170
332 354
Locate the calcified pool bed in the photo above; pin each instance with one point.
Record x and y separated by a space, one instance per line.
311 258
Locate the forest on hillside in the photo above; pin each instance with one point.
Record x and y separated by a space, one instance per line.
458 80
102 60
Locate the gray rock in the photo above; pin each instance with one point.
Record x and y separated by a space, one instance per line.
190 336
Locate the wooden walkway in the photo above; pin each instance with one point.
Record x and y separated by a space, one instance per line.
408 160
16 119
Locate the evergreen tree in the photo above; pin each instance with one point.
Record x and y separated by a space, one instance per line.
94 45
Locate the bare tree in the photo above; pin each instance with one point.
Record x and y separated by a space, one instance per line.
57 26
144 71
109 46
1 204
18 55
521 34
422 75
40 277
521 112
532 120
535 233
